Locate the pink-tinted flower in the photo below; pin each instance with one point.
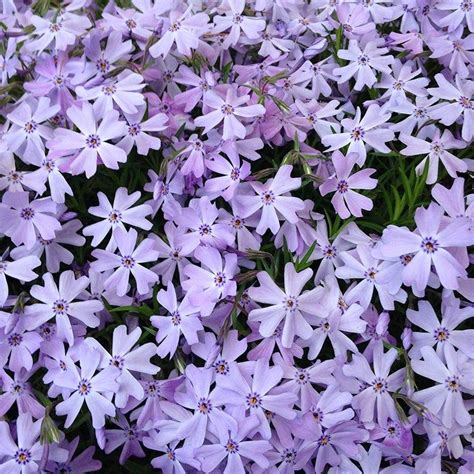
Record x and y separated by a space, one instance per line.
345 200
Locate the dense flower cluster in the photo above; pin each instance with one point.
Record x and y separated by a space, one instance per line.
235 236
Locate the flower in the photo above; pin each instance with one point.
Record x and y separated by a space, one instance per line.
270 198
126 359
346 201
127 262
92 141
116 215
24 456
205 287
374 401
445 398
430 245
361 132
59 303
22 218
89 387
227 110
290 305
362 63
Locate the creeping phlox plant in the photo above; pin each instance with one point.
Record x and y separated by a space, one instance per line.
236 236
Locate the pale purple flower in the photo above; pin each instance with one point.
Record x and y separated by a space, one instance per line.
27 132
24 456
124 92
292 306
206 403
17 390
137 132
183 319
116 215
430 245
273 200
128 261
346 201
95 389
257 395
363 62
234 446
127 359
184 29
458 101
445 398
20 269
58 302
374 402
53 250
437 151
441 333
213 281
360 132
92 141
17 347
234 20
21 218
228 110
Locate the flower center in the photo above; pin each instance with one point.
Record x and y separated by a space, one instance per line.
429 245
465 5
93 141
220 279
235 174
109 90
175 318
324 440
221 367
115 216
205 229
102 65
363 60
452 383
174 27
317 415
357 133
23 456
291 303
117 361
370 274
55 27
441 334
14 176
84 387
27 213
329 251
131 24
134 129
238 222
204 406
379 385
288 456
30 127
60 307
465 102
267 198
15 339
301 376
398 85
128 261
232 447
227 109
152 390
253 400
342 187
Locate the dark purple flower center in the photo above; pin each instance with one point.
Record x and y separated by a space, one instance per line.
429 245
342 187
204 406
93 141
84 387
15 339
128 261
22 456
253 400
30 127
27 213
